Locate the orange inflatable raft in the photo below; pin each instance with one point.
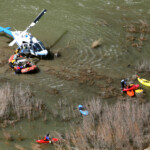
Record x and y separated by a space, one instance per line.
21 69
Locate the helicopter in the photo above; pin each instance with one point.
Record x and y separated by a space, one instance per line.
25 41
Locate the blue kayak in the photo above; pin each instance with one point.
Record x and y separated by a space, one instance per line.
82 110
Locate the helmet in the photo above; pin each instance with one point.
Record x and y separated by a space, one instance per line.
47 134
79 106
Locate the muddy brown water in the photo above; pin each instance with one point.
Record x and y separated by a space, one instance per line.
81 73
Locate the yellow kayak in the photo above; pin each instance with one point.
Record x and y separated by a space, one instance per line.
144 81
139 91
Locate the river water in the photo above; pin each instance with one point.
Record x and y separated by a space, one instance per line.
83 21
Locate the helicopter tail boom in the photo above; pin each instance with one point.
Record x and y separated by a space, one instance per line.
6 30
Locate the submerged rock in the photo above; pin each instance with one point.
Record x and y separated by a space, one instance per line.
97 43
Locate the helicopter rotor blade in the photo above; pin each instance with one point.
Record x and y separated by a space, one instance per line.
12 43
40 15
36 19
15 40
31 25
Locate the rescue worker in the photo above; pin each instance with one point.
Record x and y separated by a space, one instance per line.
123 83
17 50
18 68
14 61
11 64
47 138
16 56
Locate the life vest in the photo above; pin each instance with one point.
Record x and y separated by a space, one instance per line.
18 68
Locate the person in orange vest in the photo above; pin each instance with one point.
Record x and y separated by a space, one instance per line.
14 61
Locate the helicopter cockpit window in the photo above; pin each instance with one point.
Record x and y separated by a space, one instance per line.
37 47
25 46
42 45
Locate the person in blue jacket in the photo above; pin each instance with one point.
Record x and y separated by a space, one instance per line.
47 138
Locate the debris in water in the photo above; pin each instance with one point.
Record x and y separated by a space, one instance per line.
131 38
53 92
97 43
57 54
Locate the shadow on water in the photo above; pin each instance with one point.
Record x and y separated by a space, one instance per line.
63 34
5 35
50 55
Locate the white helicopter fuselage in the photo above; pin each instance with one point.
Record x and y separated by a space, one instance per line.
25 40
26 37
36 47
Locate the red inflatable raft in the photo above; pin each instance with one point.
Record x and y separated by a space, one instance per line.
52 141
131 87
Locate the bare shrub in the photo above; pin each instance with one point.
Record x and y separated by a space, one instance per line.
143 66
68 114
18 102
36 146
122 126
7 136
19 147
64 112
20 137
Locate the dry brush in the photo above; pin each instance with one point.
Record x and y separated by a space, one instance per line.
17 102
121 126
